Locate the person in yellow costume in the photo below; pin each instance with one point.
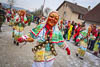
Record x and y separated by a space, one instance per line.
69 32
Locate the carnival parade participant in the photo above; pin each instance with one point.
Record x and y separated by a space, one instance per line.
82 39
8 15
65 30
89 30
29 19
96 48
47 35
2 16
92 38
61 26
42 20
68 26
70 32
20 21
73 28
12 18
77 32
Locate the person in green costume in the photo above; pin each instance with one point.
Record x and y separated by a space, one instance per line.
2 16
82 41
47 35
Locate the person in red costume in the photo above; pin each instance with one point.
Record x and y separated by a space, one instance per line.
77 31
47 35
94 31
69 24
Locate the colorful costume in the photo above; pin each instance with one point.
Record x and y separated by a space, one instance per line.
96 47
29 18
92 42
61 26
12 19
20 21
77 32
82 39
70 31
65 30
42 19
57 38
89 30
8 15
47 35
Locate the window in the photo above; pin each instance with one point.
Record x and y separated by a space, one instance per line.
80 16
64 13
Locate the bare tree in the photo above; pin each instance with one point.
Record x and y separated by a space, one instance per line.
38 12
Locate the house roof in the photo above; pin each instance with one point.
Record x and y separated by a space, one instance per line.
93 15
74 7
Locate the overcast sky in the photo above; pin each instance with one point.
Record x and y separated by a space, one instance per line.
53 4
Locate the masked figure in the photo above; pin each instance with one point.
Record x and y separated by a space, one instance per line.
82 39
47 35
20 21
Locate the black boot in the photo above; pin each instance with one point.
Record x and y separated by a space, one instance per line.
17 44
77 54
76 43
14 42
81 58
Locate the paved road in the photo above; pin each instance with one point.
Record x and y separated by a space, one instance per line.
14 56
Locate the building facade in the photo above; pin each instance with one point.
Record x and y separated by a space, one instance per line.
93 16
72 12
